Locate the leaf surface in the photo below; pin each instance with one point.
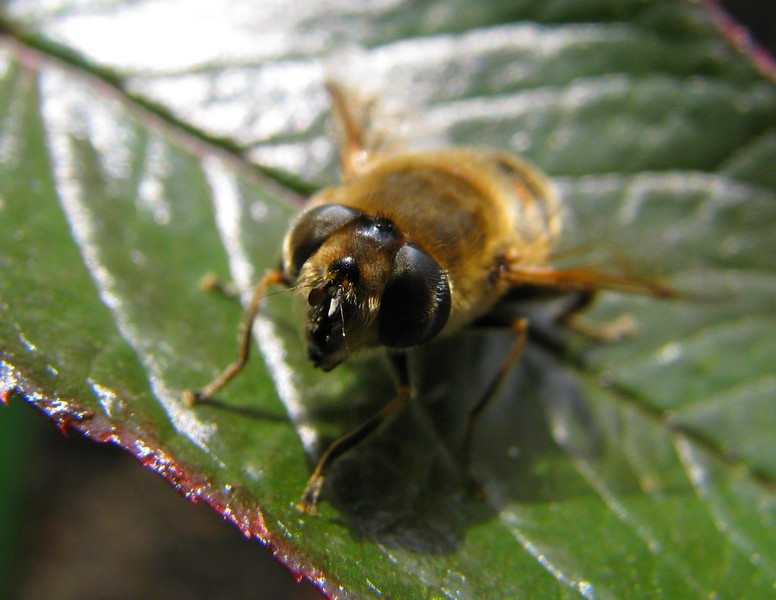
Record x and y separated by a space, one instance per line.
631 469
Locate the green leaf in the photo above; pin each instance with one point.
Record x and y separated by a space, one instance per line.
629 469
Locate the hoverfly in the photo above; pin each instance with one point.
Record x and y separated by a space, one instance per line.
410 246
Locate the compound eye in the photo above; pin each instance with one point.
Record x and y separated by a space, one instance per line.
416 302
313 228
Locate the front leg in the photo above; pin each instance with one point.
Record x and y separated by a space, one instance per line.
191 397
309 501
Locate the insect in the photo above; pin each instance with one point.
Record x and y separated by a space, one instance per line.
410 246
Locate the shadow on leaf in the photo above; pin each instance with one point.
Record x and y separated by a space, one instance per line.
408 486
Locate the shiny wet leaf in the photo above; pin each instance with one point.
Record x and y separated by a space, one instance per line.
637 468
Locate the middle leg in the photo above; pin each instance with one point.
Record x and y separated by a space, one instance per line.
520 328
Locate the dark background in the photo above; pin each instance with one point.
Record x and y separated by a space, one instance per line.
759 16
93 524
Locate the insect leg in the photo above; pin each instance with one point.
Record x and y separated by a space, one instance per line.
611 331
308 502
520 327
579 301
211 283
350 135
191 397
582 280
586 283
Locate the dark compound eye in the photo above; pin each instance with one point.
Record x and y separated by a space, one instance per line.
416 302
380 230
313 228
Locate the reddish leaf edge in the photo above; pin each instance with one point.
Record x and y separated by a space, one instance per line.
231 503
738 36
